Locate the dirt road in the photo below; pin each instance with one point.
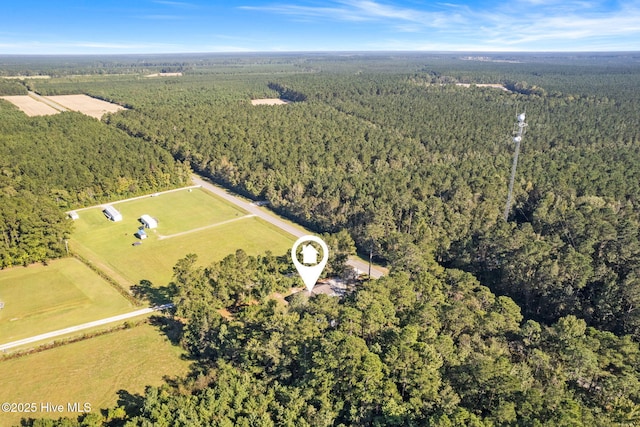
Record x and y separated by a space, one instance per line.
47 101
101 322
361 266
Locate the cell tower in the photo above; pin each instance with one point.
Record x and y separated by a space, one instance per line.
521 125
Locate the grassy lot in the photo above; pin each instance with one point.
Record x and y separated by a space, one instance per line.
64 293
189 222
176 212
91 371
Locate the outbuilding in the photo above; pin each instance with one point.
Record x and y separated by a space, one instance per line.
74 215
148 221
112 213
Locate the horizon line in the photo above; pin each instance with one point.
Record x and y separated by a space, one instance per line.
307 52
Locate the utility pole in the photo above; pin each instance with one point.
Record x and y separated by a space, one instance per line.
517 139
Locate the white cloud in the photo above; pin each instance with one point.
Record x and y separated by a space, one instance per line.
514 25
517 24
360 11
620 27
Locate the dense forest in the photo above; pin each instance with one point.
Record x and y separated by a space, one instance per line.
408 162
431 347
531 321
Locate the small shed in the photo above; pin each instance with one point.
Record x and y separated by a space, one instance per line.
112 213
148 221
73 215
140 234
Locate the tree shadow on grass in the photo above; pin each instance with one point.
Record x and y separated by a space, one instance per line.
169 326
156 295
132 403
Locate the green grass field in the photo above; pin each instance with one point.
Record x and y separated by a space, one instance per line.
189 222
176 211
92 371
64 293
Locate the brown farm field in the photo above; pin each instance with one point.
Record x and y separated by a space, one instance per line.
30 106
37 105
86 105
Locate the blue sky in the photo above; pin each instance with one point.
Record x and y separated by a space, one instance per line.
167 26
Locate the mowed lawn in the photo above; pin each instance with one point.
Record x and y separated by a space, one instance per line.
188 222
177 211
65 293
91 371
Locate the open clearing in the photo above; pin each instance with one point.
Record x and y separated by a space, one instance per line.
195 221
31 107
26 77
492 85
86 105
91 371
82 103
164 75
64 293
269 101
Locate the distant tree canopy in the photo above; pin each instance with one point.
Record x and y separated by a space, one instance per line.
287 93
11 87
